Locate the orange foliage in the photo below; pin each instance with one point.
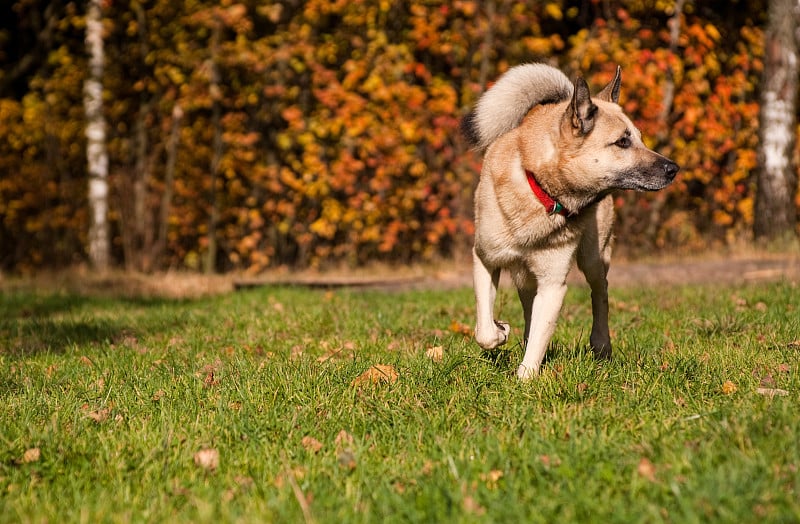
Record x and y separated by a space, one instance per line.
339 125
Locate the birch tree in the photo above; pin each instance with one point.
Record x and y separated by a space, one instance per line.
775 210
96 153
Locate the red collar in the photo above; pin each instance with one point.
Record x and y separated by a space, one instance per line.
550 204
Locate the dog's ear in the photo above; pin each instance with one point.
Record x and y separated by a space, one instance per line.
582 110
610 93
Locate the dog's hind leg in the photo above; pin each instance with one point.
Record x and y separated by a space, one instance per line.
526 295
489 333
594 257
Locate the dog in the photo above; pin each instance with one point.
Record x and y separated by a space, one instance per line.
553 156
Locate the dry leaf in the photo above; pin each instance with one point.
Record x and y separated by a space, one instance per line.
158 395
728 387
343 439
99 415
31 455
646 469
458 327
86 361
772 392
311 444
491 478
435 353
471 506
207 459
347 459
379 373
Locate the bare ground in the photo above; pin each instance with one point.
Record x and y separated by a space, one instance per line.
735 269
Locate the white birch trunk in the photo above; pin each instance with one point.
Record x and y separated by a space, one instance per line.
775 210
96 153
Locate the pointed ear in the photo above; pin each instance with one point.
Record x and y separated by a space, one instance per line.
610 93
582 110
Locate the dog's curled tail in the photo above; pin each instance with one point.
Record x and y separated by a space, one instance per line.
505 104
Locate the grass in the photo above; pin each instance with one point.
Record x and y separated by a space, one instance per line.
105 404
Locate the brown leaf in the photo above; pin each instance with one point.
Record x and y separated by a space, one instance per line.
343 440
31 455
207 459
772 392
435 353
347 459
311 444
728 387
491 479
458 327
99 415
646 469
377 374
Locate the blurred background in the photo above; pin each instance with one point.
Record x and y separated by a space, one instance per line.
242 136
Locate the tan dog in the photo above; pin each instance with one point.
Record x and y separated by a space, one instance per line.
553 157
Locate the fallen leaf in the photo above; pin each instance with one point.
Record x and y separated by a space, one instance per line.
343 439
158 395
646 469
471 506
207 459
311 444
435 353
491 478
728 387
347 459
99 415
86 361
31 455
772 392
458 327
379 373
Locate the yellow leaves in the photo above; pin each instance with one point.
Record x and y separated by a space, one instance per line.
553 10
376 375
729 388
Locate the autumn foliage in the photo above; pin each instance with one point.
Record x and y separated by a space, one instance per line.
331 134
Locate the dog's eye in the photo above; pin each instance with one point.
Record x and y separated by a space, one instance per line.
624 142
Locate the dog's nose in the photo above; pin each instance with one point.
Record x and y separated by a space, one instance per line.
671 169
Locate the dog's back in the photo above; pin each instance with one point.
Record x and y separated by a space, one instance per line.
505 104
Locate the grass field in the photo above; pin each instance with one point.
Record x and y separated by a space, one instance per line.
264 406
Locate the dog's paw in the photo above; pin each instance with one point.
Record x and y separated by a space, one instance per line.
525 373
495 337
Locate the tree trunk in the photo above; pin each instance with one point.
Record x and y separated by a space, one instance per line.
96 153
216 154
169 183
775 209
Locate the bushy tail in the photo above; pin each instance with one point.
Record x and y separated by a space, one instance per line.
505 104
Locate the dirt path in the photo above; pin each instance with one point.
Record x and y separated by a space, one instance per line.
733 270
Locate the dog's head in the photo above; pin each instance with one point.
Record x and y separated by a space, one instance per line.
605 148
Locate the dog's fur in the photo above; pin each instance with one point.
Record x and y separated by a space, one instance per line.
579 149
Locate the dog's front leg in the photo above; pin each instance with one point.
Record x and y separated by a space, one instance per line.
543 317
488 333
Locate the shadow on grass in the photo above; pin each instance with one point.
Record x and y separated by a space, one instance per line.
33 324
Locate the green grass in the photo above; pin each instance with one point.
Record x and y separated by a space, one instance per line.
118 395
